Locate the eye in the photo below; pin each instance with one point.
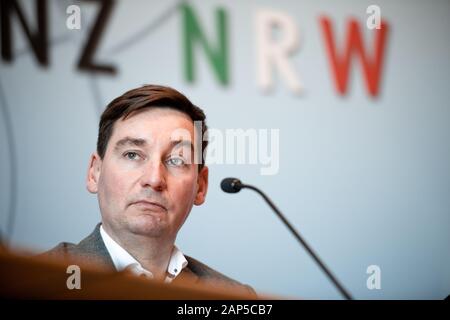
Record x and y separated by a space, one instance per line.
132 155
176 162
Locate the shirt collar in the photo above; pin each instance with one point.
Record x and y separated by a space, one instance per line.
123 260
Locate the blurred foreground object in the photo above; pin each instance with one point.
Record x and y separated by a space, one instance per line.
38 278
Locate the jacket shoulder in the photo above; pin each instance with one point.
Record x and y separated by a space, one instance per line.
90 251
60 252
206 273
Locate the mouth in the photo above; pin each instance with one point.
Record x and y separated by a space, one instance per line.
149 205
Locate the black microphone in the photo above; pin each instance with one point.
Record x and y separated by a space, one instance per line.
231 185
234 185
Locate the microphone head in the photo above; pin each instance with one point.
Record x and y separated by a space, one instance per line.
231 185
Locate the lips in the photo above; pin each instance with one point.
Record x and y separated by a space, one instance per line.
150 205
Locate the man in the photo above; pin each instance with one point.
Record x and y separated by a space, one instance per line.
147 177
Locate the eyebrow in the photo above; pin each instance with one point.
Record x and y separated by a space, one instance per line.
130 141
182 143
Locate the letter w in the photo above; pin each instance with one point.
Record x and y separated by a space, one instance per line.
340 64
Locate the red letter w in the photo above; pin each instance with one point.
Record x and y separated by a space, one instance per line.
340 63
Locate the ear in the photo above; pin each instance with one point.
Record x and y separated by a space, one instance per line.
202 183
93 174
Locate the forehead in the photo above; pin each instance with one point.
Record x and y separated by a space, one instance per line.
153 123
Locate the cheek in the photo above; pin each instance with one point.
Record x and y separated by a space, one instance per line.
184 192
112 187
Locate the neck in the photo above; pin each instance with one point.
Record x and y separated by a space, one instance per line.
153 253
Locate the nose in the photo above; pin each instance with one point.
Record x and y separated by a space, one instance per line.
154 176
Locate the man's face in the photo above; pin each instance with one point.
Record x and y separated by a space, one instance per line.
147 182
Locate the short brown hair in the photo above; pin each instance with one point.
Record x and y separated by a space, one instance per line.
139 99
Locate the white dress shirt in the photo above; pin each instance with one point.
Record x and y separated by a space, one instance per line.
124 261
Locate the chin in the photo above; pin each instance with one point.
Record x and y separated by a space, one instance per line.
148 225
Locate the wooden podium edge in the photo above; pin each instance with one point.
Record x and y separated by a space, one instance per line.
34 278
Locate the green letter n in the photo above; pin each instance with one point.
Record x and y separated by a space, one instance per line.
218 57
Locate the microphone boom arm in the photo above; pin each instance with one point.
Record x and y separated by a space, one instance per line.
302 242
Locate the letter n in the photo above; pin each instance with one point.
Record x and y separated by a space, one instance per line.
192 34
37 39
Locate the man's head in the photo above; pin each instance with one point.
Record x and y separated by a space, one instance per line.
144 170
